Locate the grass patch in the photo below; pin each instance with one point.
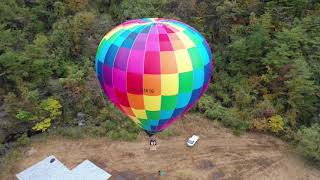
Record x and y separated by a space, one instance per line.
70 132
122 135
168 133
23 140
8 162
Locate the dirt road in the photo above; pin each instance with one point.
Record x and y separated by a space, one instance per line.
217 155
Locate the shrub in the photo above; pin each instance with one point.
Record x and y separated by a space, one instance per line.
25 116
216 112
110 125
276 123
23 140
212 110
234 119
103 115
51 110
288 134
8 162
308 142
52 106
122 134
71 132
206 102
230 117
260 124
2 149
168 133
264 109
97 131
43 125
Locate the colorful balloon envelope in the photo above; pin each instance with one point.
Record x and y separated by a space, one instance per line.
153 70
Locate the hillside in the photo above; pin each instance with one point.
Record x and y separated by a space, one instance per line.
218 155
266 75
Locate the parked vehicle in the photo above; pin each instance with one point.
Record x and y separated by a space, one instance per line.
192 140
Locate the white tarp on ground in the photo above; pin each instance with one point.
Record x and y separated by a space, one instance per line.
49 168
87 170
52 169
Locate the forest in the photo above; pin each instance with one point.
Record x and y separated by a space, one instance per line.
266 77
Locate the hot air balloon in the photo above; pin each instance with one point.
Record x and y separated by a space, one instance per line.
154 70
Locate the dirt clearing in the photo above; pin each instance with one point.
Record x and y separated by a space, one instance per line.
217 155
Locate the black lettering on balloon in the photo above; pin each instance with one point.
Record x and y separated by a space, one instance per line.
145 90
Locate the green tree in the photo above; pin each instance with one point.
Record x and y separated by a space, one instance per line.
133 9
76 5
276 123
308 142
25 116
51 110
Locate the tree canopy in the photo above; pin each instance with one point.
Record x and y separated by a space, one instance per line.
266 77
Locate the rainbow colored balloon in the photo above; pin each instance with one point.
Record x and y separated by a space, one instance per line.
153 70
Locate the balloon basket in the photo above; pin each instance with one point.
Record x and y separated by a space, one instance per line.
153 148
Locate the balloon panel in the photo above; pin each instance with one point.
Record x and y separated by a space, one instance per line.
153 70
